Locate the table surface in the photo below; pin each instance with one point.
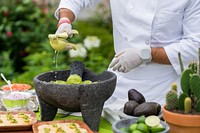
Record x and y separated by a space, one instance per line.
104 127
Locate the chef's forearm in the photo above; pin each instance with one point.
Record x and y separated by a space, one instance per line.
67 13
159 56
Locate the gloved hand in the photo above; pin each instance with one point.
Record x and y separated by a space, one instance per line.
126 60
64 25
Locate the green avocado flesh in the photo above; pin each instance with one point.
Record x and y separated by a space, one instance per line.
73 79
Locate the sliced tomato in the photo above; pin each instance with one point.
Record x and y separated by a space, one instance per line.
16 87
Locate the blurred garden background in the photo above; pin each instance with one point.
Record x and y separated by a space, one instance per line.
25 50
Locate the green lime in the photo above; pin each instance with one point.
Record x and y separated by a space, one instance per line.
137 131
142 127
152 121
141 119
157 129
133 127
124 130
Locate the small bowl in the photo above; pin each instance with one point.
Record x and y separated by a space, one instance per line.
125 123
122 115
1 106
15 101
17 87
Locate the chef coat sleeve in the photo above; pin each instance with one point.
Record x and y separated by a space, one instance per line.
190 43
74 5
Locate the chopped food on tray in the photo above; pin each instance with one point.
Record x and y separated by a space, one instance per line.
16 87
20 118
61 128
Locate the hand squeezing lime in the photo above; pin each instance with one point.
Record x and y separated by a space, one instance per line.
59 41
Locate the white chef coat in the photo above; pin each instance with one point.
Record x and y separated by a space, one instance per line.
171 24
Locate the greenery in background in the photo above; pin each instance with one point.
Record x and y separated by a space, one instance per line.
27 53
23 22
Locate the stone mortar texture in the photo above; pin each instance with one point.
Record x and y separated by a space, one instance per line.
85 98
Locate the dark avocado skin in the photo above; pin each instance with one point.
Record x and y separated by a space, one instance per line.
137 105
133 94
129 107
147 109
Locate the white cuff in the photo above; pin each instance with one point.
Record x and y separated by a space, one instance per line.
68 5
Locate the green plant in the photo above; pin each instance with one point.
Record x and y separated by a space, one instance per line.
23 22
42 55
189 99
27 53
171 99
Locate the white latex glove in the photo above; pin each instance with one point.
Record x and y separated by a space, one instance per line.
126 60
64 25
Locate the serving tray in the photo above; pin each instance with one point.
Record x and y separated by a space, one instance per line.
79 122
18 126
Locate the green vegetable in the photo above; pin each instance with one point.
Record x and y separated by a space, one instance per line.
47 130
13 121
76 71
87 82
74 79
59 82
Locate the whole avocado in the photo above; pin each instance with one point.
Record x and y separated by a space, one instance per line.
129 107
147 108
133 94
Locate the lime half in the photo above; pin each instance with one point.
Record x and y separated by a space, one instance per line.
157 129
152 121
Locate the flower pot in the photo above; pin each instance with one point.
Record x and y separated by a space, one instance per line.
181 123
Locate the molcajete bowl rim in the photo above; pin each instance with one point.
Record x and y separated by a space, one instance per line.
113 77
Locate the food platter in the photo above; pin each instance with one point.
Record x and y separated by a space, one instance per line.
56 124
23 120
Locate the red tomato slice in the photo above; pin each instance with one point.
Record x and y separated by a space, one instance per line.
16 87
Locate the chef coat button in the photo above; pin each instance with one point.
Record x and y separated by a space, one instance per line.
126 38
147 42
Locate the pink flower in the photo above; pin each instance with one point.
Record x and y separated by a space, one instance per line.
6 13
9 34
35 1
45 10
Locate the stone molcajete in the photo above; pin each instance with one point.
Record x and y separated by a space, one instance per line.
85 98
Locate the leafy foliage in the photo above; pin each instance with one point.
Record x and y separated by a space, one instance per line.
23 22
25 49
